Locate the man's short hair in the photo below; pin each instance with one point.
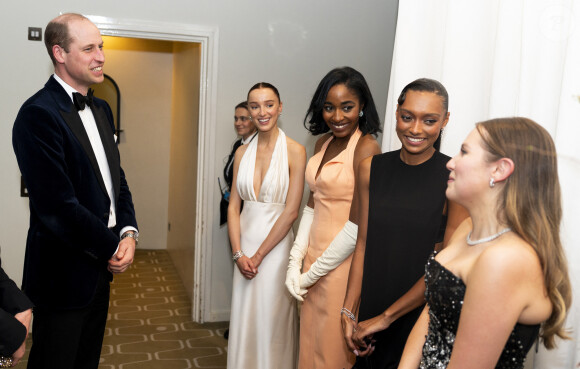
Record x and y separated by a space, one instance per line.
56 33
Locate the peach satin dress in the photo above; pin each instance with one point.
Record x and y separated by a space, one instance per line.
321 340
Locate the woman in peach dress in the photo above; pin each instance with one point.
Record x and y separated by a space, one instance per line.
342 106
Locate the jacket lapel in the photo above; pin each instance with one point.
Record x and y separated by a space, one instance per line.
71 117
73 120
111 150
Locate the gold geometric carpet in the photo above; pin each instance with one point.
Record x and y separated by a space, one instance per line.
149 324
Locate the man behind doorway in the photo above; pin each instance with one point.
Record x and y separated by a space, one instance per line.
82 220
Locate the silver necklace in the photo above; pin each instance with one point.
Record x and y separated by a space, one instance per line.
486 239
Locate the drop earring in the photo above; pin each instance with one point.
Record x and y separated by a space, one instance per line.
491 182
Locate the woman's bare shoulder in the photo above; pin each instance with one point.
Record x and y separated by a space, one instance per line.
511 257
240 151
366 146
294 148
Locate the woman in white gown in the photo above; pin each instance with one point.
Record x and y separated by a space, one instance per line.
269 178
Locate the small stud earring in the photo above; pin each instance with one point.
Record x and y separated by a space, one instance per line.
360 114
491 182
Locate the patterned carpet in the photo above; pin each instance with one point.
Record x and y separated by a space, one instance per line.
149 325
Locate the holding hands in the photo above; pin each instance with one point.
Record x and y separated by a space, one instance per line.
359 337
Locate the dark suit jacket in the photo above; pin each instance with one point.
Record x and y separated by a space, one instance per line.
229 167
12 302
228 176
68 242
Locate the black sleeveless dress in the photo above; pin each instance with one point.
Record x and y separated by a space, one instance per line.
445 292
405 221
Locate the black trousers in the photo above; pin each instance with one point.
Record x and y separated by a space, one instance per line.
70 339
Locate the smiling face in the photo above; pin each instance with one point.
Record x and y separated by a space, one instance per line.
265 107
340 111
243 123
419 123
470 171
82 65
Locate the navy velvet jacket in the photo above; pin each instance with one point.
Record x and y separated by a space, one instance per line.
68 242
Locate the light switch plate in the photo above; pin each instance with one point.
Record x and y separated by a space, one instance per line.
35 33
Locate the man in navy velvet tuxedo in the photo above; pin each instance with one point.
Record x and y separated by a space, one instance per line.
82 220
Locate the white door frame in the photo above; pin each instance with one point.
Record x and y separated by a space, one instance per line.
208 37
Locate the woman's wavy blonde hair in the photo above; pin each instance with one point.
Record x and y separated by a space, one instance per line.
531 205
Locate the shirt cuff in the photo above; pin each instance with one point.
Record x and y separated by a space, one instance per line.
128 228
125 229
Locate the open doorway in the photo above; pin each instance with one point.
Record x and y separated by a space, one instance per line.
163 143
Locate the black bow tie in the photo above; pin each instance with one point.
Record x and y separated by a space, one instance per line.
80 100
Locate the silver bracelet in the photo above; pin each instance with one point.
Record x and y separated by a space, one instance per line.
237 255
348 313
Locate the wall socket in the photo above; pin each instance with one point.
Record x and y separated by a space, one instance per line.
35 33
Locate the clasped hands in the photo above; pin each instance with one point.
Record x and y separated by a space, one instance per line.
337 251
248 266
123 258
298 283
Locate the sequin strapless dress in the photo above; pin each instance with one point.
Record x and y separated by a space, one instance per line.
445 292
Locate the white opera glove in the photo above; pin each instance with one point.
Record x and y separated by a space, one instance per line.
339 249
297 254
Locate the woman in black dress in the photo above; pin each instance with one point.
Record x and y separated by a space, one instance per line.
403 217
504 272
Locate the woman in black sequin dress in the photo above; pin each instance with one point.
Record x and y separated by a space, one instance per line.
502 280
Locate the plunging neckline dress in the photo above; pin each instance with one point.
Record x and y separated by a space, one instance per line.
263 322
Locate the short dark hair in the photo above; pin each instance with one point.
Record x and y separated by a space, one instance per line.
57 33
265 85
427 85
355 82
243 104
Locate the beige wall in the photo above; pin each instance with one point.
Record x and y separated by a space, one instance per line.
143 71
159 119
183 163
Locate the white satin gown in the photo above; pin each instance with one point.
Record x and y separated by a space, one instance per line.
263 321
